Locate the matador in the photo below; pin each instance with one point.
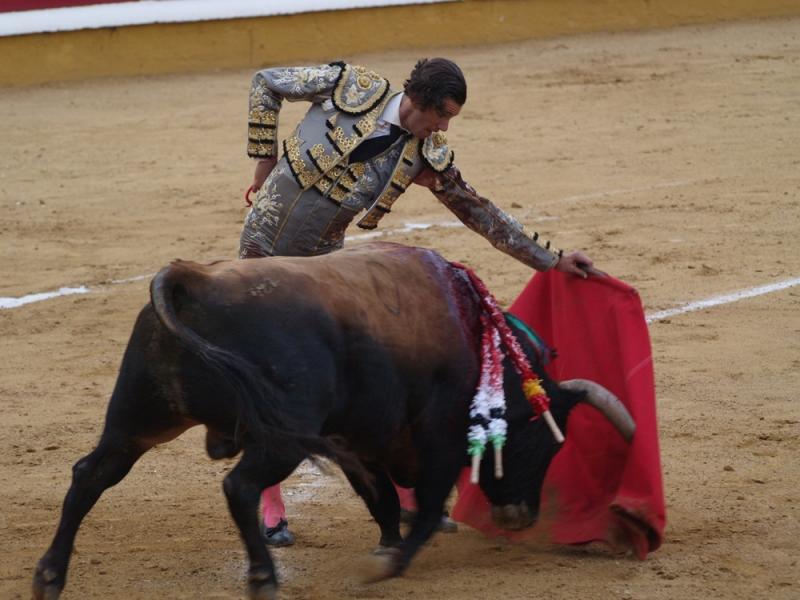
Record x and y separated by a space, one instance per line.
323 181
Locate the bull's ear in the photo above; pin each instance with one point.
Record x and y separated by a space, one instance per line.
606 402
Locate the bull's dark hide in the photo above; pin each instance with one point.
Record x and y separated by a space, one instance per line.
369 356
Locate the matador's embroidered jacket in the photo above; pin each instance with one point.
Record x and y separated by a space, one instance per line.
315 191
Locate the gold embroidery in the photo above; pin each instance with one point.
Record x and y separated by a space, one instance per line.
257 134
410 151
299 168
358 169
262 117
369 221
402 179
261 133
379 208
323 185
292 144
327 185
387 199
358 90
347 181
337 194
336 172
260 149
344 143
438 139
366 124
436 153
324 162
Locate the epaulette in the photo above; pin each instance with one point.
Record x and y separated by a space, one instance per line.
357 90
435 152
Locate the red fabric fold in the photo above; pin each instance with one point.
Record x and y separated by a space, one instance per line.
598 487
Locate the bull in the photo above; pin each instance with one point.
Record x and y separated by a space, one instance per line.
369 356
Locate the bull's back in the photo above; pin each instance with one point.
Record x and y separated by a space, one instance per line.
407 300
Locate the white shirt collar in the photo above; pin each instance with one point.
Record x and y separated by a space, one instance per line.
391 112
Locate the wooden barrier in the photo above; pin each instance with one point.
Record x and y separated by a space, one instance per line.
319 36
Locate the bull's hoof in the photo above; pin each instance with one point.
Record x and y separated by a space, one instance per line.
387 544
261 585
385 565
47 585
447 525
381 550
513 517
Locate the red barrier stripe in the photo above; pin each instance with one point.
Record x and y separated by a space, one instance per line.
17 5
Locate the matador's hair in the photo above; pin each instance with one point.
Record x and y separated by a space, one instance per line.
435 79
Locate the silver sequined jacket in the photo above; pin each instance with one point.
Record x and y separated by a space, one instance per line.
346 103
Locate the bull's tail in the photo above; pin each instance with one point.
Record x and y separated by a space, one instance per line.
260 420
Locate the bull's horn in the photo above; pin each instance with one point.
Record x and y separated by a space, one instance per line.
606 402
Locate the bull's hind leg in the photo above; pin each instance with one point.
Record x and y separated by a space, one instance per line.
243 486
106 466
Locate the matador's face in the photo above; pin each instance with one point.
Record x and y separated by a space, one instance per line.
422 122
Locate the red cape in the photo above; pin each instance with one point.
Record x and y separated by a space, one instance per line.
598 488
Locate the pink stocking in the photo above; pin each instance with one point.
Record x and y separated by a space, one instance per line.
408 501
272 506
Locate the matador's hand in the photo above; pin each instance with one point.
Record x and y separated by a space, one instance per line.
263 169
576 263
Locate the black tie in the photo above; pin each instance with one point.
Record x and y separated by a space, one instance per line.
375 145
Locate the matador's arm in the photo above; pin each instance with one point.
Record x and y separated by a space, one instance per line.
268 90
503 231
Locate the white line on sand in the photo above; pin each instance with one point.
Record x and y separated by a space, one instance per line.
64 291
657 186
10 302
724 299
409 227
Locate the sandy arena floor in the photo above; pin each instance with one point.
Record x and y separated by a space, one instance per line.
671 157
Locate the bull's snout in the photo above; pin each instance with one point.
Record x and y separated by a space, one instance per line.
512 517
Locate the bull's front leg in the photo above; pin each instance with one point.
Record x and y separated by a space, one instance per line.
436 480
383 504
243 486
